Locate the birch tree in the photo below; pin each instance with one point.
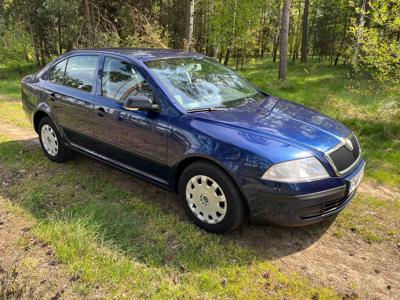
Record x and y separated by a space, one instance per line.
189 25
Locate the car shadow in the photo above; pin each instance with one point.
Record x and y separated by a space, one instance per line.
144 221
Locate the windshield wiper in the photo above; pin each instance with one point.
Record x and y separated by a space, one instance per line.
213 108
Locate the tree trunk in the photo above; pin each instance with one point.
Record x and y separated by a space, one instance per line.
357 40
232 42
334 39
187 43
312 32
221 54
34 42
304 38
276 36
343 40
88 16
60 47
297 36
275 49
1 11
237 59
243 59
227 56
262 31
284 37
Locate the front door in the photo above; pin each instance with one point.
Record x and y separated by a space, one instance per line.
70 93
137 138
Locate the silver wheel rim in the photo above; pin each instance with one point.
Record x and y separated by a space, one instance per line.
49 140
206 199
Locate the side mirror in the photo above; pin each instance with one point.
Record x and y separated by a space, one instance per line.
30 79
140 103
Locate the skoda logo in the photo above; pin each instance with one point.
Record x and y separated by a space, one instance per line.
348 144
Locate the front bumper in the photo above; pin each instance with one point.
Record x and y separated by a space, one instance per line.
299 209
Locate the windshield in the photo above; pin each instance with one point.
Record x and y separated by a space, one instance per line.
198 83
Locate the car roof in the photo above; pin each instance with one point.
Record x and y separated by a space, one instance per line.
142 54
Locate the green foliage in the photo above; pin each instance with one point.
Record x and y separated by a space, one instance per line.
15 47
225 29
379 55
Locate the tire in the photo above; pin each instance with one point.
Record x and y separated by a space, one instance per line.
51 141
214 207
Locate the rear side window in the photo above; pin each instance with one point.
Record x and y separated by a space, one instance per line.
57 72
80 72
120 80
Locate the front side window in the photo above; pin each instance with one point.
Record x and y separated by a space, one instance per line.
57 72
121 80
202 83
80 72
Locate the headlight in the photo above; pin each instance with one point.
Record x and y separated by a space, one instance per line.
299 170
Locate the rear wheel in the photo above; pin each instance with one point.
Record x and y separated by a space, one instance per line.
210 198
51 141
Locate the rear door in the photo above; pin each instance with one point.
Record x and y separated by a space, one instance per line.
70 92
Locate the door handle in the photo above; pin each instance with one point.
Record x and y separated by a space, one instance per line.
101 112
53 97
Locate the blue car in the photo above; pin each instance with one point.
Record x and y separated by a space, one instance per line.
186 123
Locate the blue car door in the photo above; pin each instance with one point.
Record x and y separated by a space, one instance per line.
70 93
135 138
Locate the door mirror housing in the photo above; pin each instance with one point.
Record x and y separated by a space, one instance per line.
31 79
140 103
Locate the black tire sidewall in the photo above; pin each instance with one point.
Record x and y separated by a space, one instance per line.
235 208
61 154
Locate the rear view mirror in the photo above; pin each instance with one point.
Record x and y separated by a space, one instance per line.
140 103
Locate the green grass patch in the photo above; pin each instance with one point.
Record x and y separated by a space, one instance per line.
374 219
12 112
116 237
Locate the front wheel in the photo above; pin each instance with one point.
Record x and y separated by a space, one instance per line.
210 198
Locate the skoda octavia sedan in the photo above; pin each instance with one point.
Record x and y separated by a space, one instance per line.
189 124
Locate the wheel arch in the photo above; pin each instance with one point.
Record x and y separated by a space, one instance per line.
37 117
184 163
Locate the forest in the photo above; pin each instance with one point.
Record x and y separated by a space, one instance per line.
364 35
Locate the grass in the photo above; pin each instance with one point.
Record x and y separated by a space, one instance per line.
374 219
116 235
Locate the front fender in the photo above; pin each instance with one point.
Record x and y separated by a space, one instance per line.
243 153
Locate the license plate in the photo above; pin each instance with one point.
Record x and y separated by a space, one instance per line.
355 182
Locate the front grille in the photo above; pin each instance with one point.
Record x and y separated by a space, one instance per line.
343 158
322 209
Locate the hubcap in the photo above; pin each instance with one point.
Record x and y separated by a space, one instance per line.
206 199
49 140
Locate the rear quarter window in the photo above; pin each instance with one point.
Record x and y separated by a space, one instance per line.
57 72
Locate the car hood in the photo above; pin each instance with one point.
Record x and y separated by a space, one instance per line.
282 120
